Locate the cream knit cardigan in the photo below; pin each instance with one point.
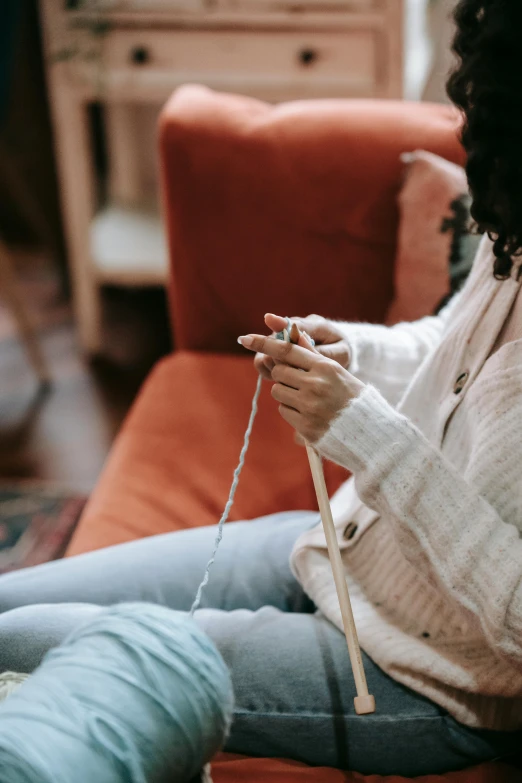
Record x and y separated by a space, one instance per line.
430 525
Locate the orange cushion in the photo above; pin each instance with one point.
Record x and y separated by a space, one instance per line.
237 769
171 466
422 273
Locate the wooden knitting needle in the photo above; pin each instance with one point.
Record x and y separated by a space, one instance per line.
364 702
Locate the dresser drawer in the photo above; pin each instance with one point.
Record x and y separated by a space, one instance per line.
323 7
166 7
346 60
132 6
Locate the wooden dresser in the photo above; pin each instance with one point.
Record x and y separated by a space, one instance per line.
127 54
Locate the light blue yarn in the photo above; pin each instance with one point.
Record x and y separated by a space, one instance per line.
140 694
231 496
235 482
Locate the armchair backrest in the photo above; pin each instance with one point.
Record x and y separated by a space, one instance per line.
287 208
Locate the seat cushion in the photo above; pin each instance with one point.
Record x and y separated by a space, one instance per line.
172 463
236 769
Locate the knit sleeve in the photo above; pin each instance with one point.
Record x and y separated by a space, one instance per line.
441 518
388 357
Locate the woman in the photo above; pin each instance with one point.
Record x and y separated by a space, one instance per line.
428 417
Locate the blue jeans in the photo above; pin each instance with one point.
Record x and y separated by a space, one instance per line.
290 669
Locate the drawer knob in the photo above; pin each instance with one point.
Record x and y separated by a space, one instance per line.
140 55
308 56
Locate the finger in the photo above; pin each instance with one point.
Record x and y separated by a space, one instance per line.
285 395
305 341
305 324
338 352
293 417
281 351
317 326
299 423
276 322
282 373
264 365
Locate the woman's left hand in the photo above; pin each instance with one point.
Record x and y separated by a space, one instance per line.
311 389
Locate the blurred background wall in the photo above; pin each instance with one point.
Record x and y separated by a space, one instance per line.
29 203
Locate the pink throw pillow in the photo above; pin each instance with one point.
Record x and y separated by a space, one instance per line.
422 268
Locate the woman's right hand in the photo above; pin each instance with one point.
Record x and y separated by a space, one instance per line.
328 339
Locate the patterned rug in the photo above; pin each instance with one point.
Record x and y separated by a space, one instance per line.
36 523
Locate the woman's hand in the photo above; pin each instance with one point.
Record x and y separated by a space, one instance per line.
328 340
311 389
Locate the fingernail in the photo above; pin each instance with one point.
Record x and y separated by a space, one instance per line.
246 341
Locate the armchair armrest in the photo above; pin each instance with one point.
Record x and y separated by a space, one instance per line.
287 208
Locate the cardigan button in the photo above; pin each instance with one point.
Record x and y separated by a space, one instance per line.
460 382
350 530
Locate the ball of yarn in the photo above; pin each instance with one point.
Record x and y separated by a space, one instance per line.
139 694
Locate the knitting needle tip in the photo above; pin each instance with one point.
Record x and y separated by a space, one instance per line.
294 333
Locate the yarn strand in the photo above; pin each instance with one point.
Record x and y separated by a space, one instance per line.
231 495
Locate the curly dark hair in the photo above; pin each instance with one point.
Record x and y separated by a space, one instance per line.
487 86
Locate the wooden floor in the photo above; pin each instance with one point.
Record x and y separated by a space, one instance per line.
64 435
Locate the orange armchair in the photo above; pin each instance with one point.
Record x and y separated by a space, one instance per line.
290 209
